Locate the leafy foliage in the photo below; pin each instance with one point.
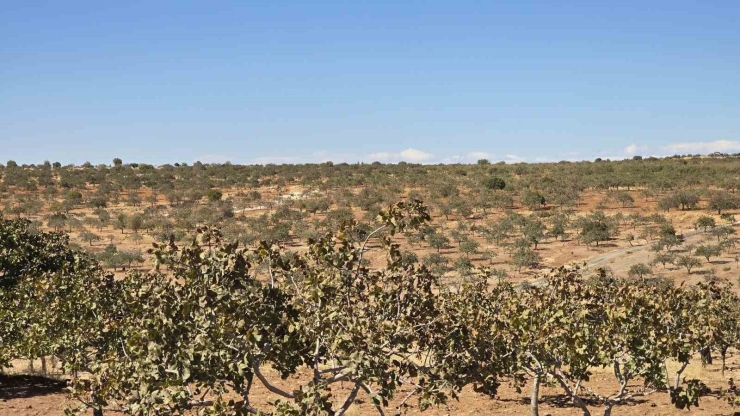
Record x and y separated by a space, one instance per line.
199 330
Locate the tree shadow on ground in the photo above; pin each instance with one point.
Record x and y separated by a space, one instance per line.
22 386
564 401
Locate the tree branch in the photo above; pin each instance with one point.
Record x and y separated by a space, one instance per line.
266 383
677 380
370 392
350 399
577 400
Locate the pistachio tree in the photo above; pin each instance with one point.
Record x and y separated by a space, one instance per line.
200 334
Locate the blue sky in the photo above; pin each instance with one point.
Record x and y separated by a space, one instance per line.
428 81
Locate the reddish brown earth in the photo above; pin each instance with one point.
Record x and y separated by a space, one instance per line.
28 396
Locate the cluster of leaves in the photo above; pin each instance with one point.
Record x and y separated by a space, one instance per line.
114 258
220 195
53 298
198 331
464 189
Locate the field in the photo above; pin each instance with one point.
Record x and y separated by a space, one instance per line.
41 397
653 223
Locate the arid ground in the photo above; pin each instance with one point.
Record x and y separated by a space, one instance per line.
26 392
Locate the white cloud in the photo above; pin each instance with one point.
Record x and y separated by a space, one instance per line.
723 146
470 157
278 160
513 159
320 156
567 156
475 156
212 159
633 149
407 155
449 160
380 156
415 155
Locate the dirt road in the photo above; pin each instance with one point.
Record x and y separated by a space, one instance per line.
621 259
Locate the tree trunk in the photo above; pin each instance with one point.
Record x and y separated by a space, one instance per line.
677 379
576 400
608 409
706 356
535 400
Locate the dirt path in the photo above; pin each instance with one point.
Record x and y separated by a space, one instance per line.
626 255
621 259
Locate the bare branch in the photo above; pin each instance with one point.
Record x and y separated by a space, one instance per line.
560 377
350 399
370 392
677 380
267 384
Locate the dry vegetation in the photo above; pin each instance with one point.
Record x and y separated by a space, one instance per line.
661 221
